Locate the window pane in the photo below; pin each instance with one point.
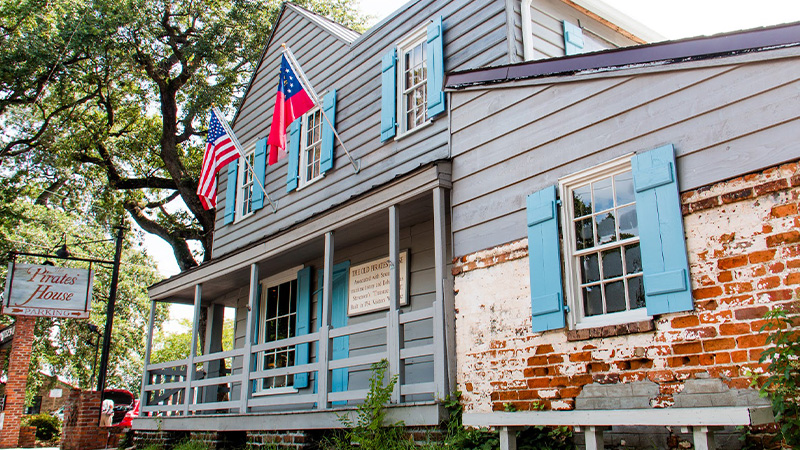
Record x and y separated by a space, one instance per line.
270 334
612 263
606 230
603 195
583 234
628 222
272 301
633 259
283 328
623 183
636 293
590 269
615 297
582 201
592 301
283 300
269 361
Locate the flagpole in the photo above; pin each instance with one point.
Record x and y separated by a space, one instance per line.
238 146
306 83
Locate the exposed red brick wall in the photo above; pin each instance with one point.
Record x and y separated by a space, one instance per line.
19 362
80 430
27 437
743 242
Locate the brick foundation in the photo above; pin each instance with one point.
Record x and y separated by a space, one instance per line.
27 437
18 368
297 440
743 246
81 430
142 439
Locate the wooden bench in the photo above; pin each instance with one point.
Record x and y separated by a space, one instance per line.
701 422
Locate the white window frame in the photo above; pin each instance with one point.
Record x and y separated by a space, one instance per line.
303 181
567 184
266 283
244 185
418 37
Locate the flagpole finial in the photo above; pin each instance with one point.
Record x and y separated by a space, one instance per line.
283 45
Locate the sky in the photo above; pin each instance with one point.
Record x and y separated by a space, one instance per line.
673 19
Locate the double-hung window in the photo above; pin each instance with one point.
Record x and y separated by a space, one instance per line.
311 147
603 258
413 82
246 183
277 321
621 240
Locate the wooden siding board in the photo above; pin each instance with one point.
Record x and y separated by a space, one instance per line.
724 121
354 72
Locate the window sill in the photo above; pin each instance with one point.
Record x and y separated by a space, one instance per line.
303 185
611 330
275 391
424 125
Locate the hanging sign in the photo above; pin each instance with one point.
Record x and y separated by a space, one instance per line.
368 289
48 291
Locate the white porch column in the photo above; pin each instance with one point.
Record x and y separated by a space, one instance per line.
394 332
147 349
441 350
324 347
245 391
187 398
214 330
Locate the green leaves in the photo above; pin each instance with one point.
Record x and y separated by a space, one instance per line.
782 384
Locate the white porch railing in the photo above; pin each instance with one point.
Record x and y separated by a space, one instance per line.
170 390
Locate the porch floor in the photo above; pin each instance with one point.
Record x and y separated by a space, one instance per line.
411 414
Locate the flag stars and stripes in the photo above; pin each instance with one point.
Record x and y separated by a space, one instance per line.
220 150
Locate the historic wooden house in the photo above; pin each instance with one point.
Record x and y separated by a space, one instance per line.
531 215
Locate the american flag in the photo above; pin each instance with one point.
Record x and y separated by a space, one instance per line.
220 150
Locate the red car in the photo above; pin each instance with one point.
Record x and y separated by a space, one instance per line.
126 407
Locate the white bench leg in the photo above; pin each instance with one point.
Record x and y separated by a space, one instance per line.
703 437
508 438
593 435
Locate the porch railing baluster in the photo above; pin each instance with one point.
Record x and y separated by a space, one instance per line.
324 345
394 334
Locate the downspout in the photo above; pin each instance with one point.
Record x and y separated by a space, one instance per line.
527 30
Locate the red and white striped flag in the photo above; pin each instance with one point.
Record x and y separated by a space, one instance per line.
220 150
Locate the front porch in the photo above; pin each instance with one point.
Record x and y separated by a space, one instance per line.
302 351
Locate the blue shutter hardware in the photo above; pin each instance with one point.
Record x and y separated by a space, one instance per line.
230 192
294 155
388 96
547 297
260 169
435 68
662 242
327 145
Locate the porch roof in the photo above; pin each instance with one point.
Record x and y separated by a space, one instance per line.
360 217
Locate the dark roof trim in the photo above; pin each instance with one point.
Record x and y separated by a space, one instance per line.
668 52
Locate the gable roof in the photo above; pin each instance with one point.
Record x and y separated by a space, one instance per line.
670 52
340 31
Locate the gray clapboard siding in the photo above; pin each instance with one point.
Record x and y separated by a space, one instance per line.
723 120
548 34
354 71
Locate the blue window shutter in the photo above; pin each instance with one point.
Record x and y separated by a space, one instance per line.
329 107
230 192
573 39
388 95
260 169
435 68
547 304
341 345
302 323
294 155
662 242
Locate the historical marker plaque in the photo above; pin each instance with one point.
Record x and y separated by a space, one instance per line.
368 288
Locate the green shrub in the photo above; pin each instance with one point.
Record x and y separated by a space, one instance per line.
47 427
191 444
782 385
